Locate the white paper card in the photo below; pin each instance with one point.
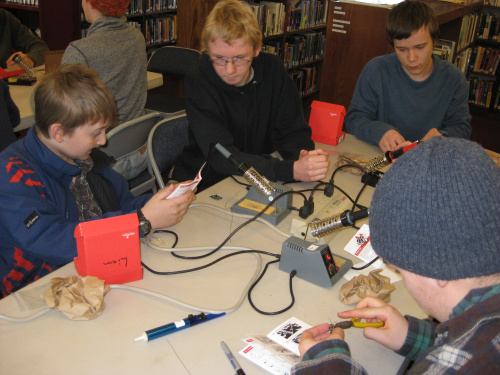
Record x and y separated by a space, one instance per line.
264 358
181 189
361 247
288 334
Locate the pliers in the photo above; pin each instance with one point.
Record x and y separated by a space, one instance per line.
355 322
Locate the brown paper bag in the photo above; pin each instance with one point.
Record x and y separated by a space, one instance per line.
359 287
77 298
360 160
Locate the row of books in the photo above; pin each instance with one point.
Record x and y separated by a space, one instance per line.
444 49
271 17
495 3
136 24
308 13
462 60
24 2
161 30
467 30
299 48
484 93
136 6
303 48
305 79
489 26
485 60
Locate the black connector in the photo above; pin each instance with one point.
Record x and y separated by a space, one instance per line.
307 209
329 190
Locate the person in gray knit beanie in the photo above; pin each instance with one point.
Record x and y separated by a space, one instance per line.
436 212
434 218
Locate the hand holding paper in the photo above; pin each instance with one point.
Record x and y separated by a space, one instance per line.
182 188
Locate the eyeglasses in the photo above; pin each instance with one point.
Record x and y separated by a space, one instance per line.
237 61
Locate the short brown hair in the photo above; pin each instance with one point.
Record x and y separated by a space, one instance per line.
73 96
410 16
230 20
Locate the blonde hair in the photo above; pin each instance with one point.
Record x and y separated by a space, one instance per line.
73 96
230 20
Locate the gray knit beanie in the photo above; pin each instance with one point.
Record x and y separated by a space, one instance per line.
436 212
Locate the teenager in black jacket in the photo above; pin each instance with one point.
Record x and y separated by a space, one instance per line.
244 100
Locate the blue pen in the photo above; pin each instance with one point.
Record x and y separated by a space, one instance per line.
190 321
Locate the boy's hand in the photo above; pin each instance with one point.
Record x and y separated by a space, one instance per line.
163 212
311 166
316 334
391 140
392 334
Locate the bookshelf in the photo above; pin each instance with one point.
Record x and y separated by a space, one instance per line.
156 19
299 43
484 64
58 21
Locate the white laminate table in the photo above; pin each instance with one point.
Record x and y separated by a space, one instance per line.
21 96
54 344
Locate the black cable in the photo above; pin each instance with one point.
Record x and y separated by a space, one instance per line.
292 274
346 166
341 190
208 264
366 265
168 231
248 186
239 227
355 203
209 156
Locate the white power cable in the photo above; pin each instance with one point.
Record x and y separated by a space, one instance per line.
170 299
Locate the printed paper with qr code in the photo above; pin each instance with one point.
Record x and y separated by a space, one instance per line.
288 334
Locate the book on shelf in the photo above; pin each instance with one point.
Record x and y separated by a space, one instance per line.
481 92
489 25
310 13
462 60
304 48
445 49
497 99
485 60
495 3
453 1
467 29
270 16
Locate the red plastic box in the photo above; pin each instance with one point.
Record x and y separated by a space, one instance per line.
109 249
327 122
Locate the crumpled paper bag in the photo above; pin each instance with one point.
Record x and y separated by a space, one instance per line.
360 160
76 297
361 286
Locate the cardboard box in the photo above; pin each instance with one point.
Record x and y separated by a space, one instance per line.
327 122
109 249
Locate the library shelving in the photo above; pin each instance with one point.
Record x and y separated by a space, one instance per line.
293 30
356 34
157 20
56 22
484 64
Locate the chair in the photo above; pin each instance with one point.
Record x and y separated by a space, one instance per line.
129 137
165 143
174 63
53 60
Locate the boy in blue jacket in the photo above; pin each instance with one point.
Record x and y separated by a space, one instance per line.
54 178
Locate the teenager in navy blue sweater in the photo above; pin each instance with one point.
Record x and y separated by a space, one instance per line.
54 178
